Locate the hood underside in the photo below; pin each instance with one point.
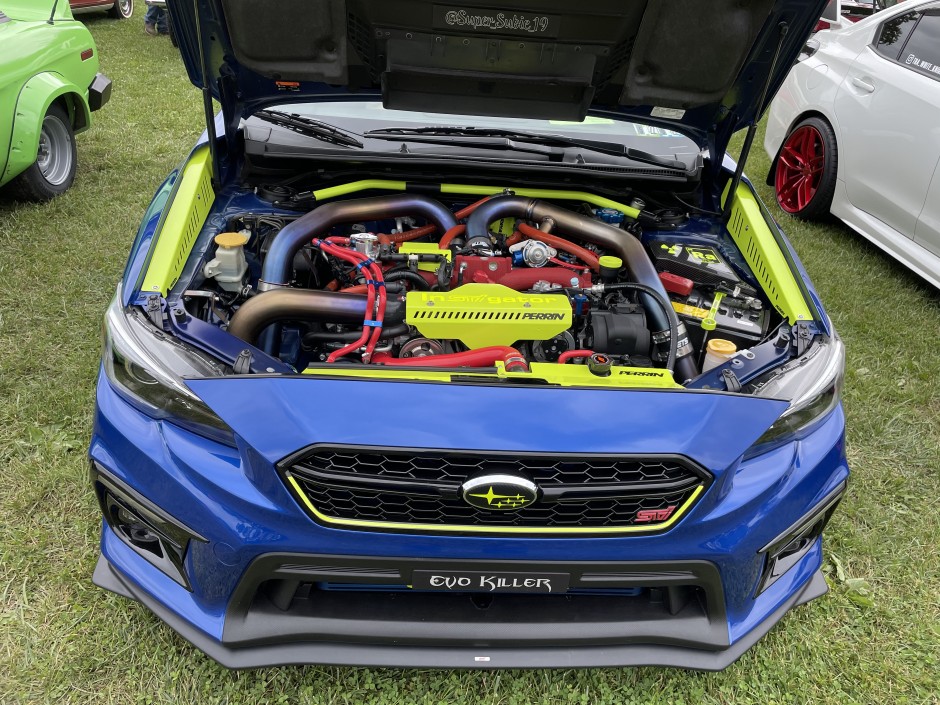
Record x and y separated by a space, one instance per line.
700 67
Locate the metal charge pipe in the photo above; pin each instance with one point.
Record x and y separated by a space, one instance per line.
276 305
277 265
627 247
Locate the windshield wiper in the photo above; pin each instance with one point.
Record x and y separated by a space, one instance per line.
495 138
308 126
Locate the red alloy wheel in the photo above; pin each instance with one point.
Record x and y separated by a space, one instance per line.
800 169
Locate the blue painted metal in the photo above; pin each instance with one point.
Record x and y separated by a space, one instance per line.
220 344
241 506
241 91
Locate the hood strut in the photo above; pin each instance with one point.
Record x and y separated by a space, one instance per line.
207 101
783 27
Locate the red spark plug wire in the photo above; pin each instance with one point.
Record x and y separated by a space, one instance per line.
371 329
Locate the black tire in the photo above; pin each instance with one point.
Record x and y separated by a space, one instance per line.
54 169
122 9
806 168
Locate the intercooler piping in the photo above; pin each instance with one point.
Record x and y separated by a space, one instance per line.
276 305
279 261
627 247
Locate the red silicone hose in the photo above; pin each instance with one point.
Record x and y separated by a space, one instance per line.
586 256
571 354
481 357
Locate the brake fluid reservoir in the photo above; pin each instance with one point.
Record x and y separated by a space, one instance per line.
229 266
717 352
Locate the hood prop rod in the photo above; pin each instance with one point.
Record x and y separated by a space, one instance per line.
207 103
752 128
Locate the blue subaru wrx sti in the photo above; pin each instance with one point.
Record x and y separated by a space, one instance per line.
457 341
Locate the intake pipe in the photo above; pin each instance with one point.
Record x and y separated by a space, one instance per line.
627 247
278 263
277 305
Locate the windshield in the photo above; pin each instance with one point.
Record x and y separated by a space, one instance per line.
360 117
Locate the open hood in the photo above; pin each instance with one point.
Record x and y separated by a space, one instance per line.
699 67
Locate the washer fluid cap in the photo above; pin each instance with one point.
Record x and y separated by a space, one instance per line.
228 240
720 346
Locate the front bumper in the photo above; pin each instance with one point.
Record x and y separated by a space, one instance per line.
690 597
99 92
288 652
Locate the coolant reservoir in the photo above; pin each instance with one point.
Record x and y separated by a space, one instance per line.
229 266
717 352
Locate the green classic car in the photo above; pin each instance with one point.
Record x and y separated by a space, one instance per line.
49 86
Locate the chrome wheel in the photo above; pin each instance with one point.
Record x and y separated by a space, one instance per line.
122 9
55 159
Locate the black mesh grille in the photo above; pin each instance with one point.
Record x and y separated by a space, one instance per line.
437 466
423 487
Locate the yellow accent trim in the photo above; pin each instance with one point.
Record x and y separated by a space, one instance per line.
354 186
182 224
479 315
709 322
753 237
553 194
515 501
689 310
367 524
425 248
477 190
570 375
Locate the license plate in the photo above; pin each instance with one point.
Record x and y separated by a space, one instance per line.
450 581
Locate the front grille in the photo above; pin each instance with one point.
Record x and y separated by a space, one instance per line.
419 489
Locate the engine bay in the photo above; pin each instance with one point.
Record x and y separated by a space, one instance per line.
567 287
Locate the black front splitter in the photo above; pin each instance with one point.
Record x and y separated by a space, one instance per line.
334 654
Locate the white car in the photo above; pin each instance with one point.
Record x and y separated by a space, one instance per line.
855 131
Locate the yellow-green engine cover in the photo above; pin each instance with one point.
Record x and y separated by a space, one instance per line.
480 315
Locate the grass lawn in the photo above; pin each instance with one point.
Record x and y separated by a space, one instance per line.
874 639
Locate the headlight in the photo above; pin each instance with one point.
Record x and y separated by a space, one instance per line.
811 383
147 367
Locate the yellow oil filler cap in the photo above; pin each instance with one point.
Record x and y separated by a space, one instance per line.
609 266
